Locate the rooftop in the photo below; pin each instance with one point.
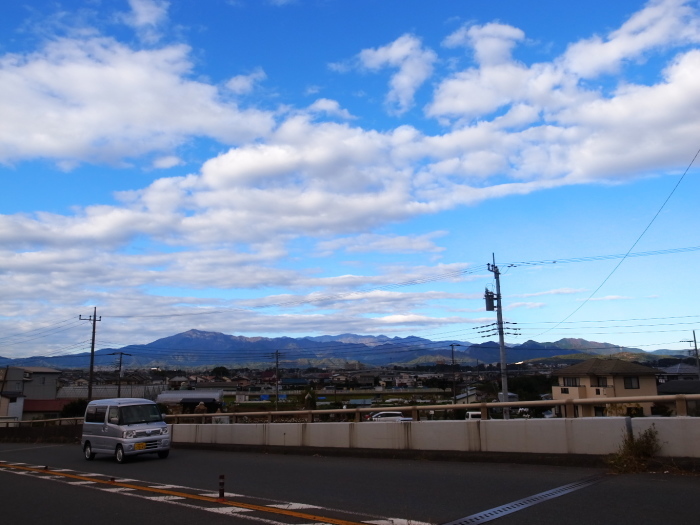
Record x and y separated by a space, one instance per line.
606 367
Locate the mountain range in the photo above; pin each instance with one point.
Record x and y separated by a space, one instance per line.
196 349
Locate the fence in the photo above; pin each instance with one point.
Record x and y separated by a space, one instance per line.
567 408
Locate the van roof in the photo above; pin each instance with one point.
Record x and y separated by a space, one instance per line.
122 401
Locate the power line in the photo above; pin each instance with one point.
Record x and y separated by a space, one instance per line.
605 257
639 238
45 331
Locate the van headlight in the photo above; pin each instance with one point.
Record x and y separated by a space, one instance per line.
164 430
128 434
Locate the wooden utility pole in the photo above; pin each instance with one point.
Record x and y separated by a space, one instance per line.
697 357
454 375
119 374
501 338
277 379
93 318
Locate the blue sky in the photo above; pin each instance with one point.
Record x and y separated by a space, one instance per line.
319 167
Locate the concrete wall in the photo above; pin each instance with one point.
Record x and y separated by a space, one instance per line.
680 436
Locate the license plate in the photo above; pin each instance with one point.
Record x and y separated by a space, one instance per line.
140 446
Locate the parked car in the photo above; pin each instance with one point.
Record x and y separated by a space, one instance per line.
388 416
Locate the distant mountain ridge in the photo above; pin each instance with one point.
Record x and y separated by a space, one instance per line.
197 349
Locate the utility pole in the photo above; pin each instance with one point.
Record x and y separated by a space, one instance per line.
119 376
490 300
454 375
277 379
91 378
697 357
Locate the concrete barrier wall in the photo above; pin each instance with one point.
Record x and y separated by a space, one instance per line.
680 436
521 435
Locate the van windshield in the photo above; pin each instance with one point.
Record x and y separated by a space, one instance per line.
130 415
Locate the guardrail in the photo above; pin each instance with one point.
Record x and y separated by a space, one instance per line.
42 422
679 401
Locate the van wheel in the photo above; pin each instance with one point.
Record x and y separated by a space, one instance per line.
119 455
87 451
163 454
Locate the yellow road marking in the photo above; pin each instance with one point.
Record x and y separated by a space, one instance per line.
209 499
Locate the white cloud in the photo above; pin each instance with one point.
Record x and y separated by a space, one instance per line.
414 63
660 24
558 291
512 128
169 161
383 243
492 43
146 17
244 84
415 320
608 298
498 80
331 108
96 100
528 305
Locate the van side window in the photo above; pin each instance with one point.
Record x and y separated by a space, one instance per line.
95 414
112 414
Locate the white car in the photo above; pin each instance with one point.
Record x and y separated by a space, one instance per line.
389 416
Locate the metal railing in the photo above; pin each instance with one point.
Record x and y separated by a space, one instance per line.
679 402
42 422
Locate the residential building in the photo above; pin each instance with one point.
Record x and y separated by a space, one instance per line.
604 378
23 389
11 393
682 386
679 372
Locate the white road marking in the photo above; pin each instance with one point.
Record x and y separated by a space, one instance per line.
182 501
228 510
293 506
216 495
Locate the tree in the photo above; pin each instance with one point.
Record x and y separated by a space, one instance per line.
74 408
310 399
220 371
530 388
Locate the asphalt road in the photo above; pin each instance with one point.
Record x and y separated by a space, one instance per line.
289 489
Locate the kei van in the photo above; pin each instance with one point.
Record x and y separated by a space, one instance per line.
124 427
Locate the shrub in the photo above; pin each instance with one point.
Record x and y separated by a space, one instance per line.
636 453
74 408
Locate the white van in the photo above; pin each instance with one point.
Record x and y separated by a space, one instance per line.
124 427
473 415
